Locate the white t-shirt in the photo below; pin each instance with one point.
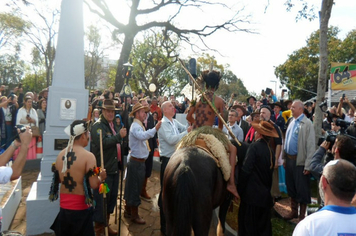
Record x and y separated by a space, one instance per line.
5 174
330 220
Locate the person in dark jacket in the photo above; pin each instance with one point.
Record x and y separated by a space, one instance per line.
111 138
255 182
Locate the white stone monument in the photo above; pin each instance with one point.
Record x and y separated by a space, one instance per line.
67 101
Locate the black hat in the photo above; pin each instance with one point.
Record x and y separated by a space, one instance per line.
308 103
267 107
278 104
286 102
251 97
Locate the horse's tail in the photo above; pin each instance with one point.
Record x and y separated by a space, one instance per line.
185 201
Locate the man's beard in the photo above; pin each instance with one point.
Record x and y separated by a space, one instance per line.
321 192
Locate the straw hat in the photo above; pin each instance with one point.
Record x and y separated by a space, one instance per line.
138 106
265 128
108 104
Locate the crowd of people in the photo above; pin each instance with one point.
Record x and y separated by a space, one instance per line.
287 148
279 135
22 108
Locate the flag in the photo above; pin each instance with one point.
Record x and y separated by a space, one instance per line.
343 76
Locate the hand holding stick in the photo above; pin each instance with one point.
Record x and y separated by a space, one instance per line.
103 185
209 102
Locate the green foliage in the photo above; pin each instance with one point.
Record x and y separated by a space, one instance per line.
93 58
11 28
152 60
302 66
347 51
34 82
11 67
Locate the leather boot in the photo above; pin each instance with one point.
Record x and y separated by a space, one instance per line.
294 213
111 231
135 217
143 190
127 212
99 229
303 209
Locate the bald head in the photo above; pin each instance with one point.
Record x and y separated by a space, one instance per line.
168 109
297 108
341 177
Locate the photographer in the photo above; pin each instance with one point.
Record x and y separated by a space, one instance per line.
339 108
343 148
14 172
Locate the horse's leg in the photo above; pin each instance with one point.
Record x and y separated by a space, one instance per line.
222 215
202 219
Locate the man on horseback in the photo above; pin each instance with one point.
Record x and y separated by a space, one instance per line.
205 116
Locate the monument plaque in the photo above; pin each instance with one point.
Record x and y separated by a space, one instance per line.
68 108
60 144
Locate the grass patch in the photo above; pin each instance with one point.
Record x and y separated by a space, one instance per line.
280 227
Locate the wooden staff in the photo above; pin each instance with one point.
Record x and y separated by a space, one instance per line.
104 194
210 104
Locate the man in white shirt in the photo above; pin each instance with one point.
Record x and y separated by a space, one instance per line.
136 167
235 128
337 187
170 133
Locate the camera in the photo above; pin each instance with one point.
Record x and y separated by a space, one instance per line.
342 123
330 136
21 127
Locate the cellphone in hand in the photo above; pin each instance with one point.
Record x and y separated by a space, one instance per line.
343 96
268 91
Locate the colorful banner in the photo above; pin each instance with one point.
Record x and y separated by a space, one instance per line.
343 76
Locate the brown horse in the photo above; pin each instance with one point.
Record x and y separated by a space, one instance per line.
193 186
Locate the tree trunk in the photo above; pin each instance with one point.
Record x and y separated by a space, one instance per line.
124 57
324 16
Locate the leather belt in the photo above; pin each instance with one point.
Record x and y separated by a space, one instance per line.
292 157
138 159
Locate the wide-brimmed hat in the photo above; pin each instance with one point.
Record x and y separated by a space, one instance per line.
278 104
265 128
240 107
286 102
138 106
255 112
108 104
251 97
43 91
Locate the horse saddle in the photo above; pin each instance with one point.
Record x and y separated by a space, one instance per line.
211 145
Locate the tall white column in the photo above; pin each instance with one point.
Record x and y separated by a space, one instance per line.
67 101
